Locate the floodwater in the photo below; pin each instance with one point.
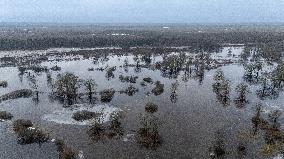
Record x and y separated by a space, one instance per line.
191 120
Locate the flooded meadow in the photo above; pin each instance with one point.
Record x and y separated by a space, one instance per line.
141 102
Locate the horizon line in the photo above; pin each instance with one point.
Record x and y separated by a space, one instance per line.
141 23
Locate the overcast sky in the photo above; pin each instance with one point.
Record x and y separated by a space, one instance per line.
142 11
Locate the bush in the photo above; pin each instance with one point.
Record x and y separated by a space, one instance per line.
28 134
55 68
3 84
5 115
109 72
148 80
107 95
23 93
148 133
64 151
84 115
159 89
21 124
115 129
67 153
32 135
151 107
131 90
130 79
97 131
148 138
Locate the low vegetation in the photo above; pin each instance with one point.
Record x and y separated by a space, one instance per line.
110 72
151 107
23 93
64 151
85 115
148 80
158 89
90 85
55 68
97 131
148 133
3 84
107 95
131 90
112 130
5 115
242 90
221 87
129 79
27 134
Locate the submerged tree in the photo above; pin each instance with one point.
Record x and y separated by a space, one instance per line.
115 129
248 76
148 133
218 77
246 53
66 87
34 85
267 89
48 78
112 130
110 72
224 93
107 95
257 119
172 65
97 130
90 87
278 76
158 89
252 72
218 148
272 134
242 90
174 95
221 87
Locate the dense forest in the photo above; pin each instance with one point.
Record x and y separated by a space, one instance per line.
269 39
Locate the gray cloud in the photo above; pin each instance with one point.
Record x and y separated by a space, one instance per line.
142 11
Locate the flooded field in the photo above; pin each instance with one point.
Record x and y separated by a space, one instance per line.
140 103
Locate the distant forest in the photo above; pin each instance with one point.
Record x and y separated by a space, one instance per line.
207 38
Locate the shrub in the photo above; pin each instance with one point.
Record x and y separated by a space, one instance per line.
151 107
97 131
130 79
148 80
64 151
159 88
91 69
90 87
3 84
107 95
5 115
148 133
28 134
109 72
32 135
21 124
115 128
55 68
84 115
131 90
23 93
149 139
